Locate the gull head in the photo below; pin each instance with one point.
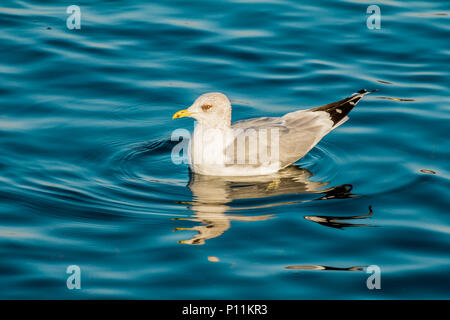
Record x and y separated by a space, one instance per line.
210 109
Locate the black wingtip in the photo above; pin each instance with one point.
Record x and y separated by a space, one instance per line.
340 109
365 91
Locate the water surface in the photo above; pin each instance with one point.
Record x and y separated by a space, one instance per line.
86 176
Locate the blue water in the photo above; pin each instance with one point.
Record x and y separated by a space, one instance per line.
86 176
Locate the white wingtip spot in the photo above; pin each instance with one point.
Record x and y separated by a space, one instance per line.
338 110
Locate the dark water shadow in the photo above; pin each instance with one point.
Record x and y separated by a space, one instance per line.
338 222
324 268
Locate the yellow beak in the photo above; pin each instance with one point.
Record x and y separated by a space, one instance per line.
181 114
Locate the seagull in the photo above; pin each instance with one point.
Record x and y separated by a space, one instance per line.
257 146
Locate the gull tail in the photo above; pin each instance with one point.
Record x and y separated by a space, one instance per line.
339 110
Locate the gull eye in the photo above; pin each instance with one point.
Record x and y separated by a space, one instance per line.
206 107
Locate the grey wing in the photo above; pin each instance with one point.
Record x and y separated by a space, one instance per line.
300 131
304 129
258 123
290 136
307 127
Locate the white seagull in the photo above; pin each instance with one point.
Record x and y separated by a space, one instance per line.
257 146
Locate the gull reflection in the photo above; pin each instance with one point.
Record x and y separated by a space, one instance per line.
212 196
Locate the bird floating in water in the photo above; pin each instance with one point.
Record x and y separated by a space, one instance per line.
257 146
